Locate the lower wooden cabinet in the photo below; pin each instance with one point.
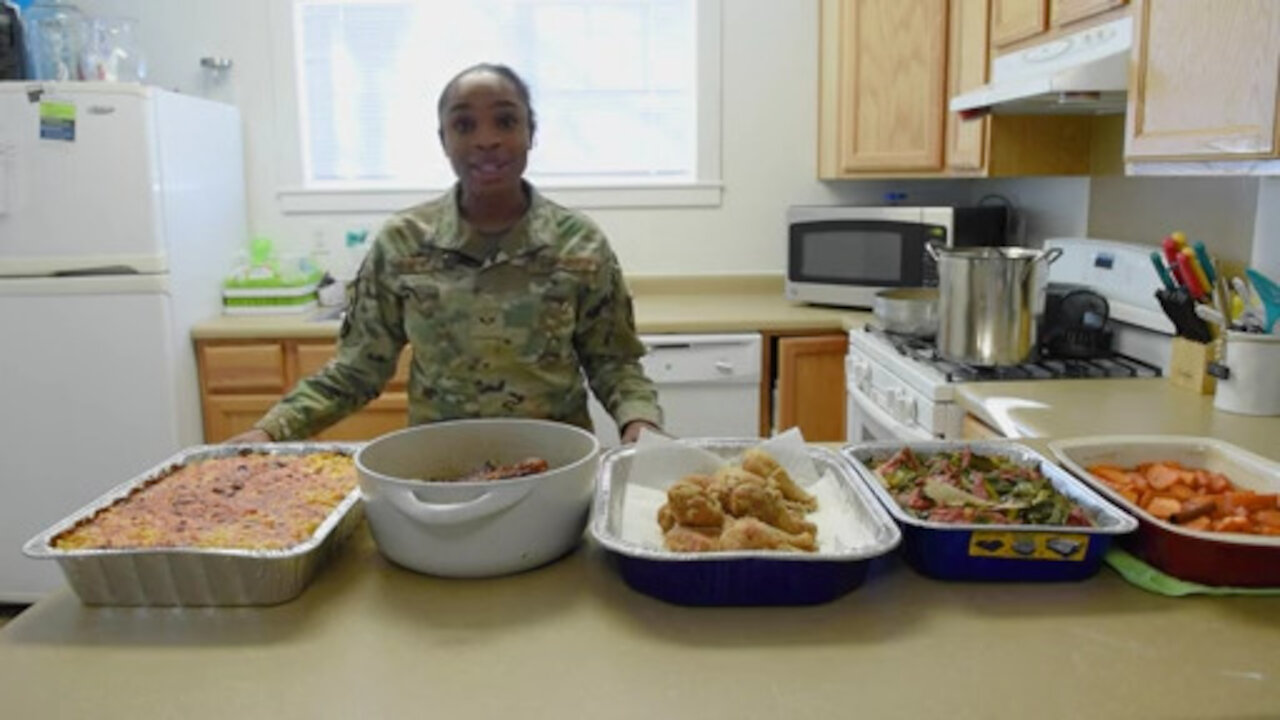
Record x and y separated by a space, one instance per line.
241 380
974 429
810 385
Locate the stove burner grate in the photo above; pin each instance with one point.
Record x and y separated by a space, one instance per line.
1044 368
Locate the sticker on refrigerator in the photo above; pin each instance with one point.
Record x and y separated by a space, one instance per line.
57 121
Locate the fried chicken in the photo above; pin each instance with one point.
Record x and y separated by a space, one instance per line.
693 505
766 503
690 539
750 533
762 463
739 508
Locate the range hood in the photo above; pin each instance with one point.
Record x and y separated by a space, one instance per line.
1082 73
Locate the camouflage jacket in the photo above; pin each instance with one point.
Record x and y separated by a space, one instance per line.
501 326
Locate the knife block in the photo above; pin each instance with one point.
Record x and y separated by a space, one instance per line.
1189 366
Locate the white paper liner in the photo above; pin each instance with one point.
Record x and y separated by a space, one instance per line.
660 462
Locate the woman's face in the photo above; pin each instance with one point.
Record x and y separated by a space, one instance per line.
484 128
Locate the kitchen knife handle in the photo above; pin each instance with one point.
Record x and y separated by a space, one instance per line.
1202 277
1162 271
1189 278
1171 256
1206 262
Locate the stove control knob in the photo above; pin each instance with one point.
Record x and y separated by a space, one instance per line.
861 374
894 403
908 408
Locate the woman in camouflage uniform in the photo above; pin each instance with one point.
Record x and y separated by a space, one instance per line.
506 298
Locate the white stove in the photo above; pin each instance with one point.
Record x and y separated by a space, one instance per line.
898 388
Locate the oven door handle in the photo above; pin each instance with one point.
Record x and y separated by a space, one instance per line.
881 418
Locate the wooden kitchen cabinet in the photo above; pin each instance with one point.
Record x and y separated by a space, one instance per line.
883 78
1014 20
1205 80
241 380
888 69
971 428
967 69
811 385
1065 12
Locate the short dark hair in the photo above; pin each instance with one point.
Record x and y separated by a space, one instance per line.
502 71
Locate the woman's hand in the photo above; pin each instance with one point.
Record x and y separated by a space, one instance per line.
249 436
631 432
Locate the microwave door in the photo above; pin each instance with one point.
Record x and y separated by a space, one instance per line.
866 253
866 422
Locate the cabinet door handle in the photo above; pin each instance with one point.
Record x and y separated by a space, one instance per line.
724 368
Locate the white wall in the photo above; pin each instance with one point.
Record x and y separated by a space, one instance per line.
769 109
1217 211
1265 254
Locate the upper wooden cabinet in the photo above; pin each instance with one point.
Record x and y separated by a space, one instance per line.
883 85
888 70
1205 80
1014 20
1065 12
968 42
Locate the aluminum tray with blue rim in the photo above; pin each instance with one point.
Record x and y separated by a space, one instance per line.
852 528
1010 526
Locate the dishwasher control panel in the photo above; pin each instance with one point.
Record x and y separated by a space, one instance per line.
708 385
702 358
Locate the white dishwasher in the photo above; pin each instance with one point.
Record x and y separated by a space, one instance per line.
708 385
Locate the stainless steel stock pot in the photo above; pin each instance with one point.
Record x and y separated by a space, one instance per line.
990 300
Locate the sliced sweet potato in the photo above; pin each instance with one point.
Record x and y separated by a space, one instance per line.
1204 522
1113 476
1218 483
1268 518
1163 475
1249 501
1163 507
1233 523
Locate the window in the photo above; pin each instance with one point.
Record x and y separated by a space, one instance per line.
625 91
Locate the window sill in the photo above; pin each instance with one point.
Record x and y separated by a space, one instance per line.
302 201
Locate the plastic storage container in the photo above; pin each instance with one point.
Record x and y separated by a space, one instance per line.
55 36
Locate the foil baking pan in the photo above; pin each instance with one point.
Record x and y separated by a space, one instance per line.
859 528
1208 558
963 551
198 576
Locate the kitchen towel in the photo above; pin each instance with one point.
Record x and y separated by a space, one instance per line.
1150 579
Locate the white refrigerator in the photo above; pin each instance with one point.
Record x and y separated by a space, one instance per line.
121 207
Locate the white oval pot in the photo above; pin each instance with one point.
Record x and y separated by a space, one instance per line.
481 528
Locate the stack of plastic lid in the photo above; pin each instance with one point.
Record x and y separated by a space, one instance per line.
265 285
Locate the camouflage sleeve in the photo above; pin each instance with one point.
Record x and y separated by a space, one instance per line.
369 343
609 348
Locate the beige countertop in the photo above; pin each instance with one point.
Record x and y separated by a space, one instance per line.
1042 409
368 639
662 305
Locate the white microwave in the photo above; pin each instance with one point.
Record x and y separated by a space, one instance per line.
843 255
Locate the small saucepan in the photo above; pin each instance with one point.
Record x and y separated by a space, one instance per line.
907 311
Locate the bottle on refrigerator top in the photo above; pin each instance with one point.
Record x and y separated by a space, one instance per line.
111 51
55 35
13 59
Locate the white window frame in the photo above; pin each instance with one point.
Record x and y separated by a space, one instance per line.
295 198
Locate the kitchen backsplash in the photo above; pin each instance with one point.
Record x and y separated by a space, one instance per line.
1218 211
